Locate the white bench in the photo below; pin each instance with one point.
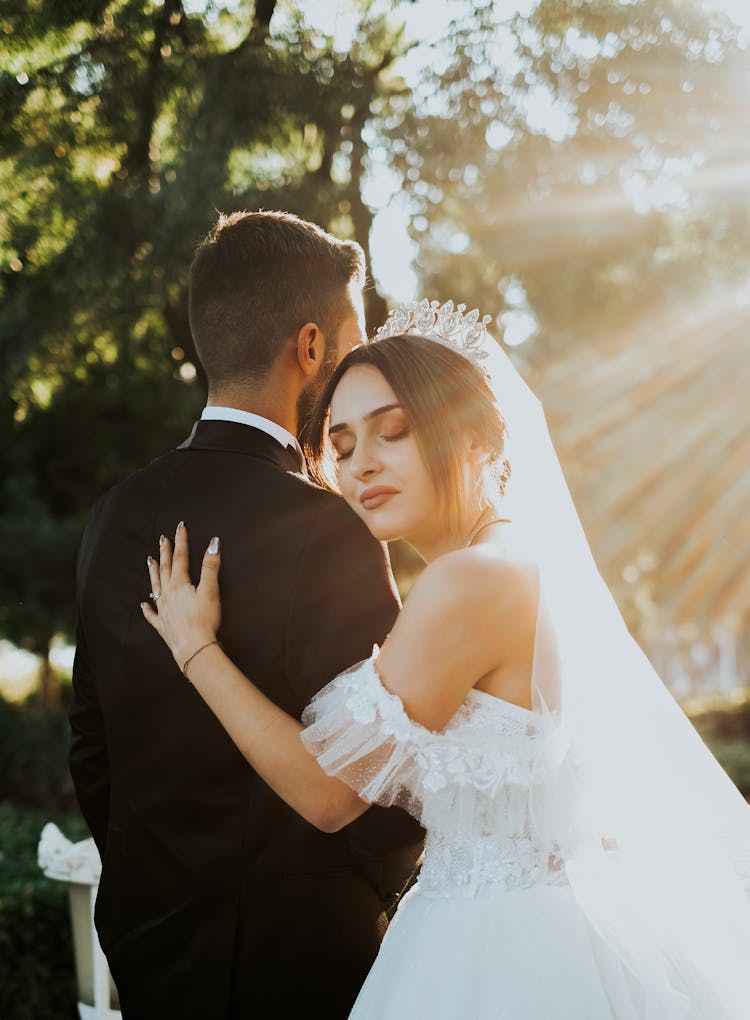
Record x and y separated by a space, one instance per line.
79 865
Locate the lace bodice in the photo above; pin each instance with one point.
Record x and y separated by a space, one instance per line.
470 785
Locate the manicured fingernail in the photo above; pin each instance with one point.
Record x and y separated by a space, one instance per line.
143 606
162 539
180 525
149 560
213 545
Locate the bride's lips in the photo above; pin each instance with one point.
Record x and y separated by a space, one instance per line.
372 498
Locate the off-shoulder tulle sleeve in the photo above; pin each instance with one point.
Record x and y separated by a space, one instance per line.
360 733
478 769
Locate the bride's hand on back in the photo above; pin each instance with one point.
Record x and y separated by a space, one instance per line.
186 616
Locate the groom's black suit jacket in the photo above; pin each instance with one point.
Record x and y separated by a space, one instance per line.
216 899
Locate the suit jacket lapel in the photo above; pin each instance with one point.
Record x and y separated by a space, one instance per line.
234 437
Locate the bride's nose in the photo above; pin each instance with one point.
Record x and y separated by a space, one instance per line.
365 463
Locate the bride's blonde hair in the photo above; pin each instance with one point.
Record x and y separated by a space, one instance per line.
443 395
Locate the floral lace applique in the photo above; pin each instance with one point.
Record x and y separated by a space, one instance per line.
473 867
470 785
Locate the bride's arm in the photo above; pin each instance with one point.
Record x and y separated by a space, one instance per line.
188 620
467 614
462 609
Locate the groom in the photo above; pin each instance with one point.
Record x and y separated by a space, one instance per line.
217 900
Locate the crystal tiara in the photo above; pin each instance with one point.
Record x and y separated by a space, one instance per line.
464 333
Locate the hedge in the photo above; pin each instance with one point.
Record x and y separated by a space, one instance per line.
734 758
37 974
34 756
36 959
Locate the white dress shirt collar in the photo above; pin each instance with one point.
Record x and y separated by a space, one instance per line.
256 421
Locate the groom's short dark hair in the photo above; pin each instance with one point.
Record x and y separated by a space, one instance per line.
255 280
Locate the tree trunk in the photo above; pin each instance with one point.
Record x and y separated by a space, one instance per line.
264 12
48 691
138 158
376 308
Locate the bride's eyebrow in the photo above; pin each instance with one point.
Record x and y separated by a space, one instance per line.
368 417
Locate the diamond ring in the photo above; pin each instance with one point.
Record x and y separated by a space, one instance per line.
154 595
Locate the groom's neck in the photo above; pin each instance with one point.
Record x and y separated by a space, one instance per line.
265 401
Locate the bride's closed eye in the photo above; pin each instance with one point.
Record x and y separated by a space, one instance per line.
389 438
393 426
390 428
396 435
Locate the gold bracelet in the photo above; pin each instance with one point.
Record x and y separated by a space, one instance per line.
196 652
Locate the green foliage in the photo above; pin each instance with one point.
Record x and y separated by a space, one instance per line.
37 978
61 458
34 756
726 723
595 170
726 730
125 126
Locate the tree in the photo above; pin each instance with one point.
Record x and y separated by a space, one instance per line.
125 126
580 172
599 164
570 167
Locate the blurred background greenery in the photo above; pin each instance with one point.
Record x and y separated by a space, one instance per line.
579 170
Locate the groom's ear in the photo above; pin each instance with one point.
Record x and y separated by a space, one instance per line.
311 348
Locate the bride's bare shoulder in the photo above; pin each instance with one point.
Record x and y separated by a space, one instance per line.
488 569
483 575
465 607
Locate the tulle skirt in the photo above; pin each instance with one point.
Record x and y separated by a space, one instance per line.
524 954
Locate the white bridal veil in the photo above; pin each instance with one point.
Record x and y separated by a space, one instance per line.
653 836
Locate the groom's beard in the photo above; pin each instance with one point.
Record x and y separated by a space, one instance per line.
309 397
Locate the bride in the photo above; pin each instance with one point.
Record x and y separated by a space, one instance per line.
586 858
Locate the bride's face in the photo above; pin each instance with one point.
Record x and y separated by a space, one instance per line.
381 472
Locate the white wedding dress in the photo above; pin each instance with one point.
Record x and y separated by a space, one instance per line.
492 930
587 860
